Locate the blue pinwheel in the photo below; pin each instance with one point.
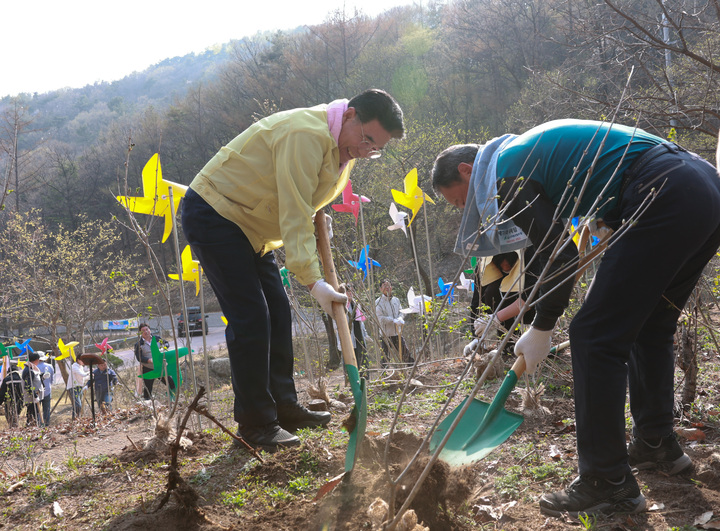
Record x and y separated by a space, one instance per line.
575 222
364 261
24 347
444 288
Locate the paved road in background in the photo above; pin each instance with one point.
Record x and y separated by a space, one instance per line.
215 339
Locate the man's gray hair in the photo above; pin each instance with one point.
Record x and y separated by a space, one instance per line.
445 170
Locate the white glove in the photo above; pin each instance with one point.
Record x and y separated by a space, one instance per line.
326 295
45 375
470 347
535 346
399 321
328 224
491 323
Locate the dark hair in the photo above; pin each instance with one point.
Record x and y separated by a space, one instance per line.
511 258
142 325
445 170
376 104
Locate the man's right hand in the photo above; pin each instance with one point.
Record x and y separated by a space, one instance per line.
326 295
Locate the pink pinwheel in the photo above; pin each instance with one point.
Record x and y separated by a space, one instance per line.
351 201
104 346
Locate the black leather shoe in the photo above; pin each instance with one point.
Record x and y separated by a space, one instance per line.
292 416
269 437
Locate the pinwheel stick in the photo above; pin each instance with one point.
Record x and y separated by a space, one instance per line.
427 237
204 340
417 268
182 299
373 321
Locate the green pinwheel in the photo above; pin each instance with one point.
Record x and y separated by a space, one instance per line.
165 363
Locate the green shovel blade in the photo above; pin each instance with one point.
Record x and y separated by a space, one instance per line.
481 429
359 391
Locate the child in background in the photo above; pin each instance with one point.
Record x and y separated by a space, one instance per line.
105 380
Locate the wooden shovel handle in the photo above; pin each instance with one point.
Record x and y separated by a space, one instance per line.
519 366
323 245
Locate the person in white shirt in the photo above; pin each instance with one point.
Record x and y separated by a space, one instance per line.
77 375
387 309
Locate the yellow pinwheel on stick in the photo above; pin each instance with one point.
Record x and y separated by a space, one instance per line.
413 197
67 349
190 269
155 200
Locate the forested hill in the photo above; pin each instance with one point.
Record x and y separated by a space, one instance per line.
78 115
462 70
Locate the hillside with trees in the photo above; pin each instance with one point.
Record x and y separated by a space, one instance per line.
463 71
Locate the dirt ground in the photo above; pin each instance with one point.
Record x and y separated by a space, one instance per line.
84 476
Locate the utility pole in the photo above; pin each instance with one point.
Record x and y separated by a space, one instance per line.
668 59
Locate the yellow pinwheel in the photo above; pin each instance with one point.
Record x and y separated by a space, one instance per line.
413 197
190 269
156 196
66 349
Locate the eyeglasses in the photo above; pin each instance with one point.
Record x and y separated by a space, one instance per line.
365 145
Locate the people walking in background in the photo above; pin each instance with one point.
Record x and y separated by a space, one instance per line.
77 376
105 380
34 390
48 375
12 391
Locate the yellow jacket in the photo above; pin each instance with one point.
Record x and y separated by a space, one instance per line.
272 178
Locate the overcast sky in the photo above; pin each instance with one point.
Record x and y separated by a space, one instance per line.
47 45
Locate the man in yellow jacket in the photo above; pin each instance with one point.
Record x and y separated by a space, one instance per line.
258 193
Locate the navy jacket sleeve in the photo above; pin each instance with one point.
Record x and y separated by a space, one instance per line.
531 209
